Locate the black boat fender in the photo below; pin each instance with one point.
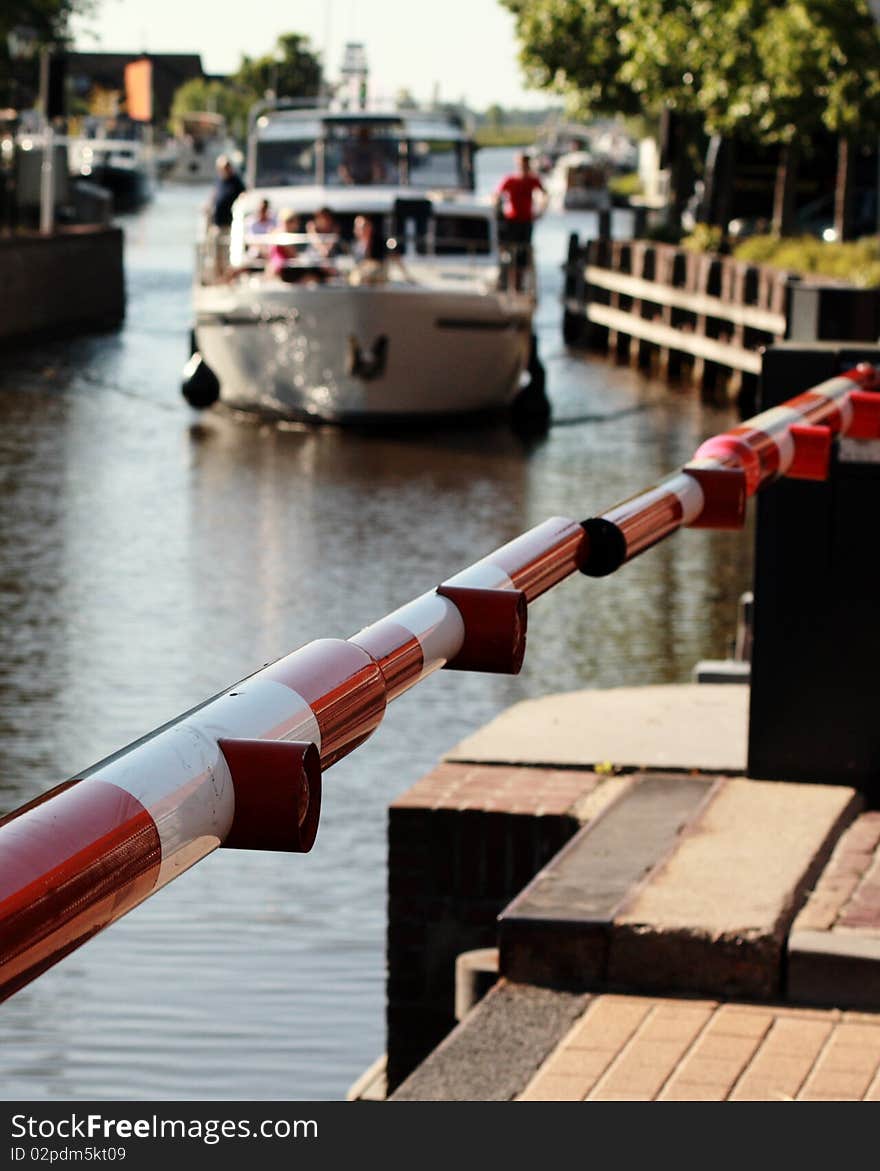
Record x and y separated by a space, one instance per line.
530 409
200 386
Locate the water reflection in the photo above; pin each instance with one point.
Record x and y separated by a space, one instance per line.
150 557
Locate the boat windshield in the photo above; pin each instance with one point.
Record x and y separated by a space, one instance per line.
364 154
359 153
285 162
438 163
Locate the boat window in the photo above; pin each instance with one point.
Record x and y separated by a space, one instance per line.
437 163
458 233
361 155
285 163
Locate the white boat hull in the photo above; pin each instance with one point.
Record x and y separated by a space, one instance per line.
316 352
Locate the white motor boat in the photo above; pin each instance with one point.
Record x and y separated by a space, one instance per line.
122 165
579 181
434 319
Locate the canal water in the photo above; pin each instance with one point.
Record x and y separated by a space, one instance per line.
150 557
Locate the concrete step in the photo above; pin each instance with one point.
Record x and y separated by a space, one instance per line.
681 886
558 931
680 726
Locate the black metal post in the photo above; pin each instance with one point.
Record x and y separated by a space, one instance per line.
814 711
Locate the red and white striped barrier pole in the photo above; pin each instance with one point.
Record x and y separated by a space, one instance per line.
793 440
244 769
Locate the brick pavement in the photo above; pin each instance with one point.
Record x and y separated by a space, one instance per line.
637 1048
834 944
743 957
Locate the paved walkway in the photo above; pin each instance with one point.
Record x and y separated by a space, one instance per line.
651 1049
698 936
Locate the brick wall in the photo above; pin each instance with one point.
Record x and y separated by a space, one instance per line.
461 843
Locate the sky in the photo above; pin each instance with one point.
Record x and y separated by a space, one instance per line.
467 48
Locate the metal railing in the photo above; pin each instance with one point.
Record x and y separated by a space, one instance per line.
244 769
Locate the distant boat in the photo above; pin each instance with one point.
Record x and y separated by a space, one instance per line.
556 138
123 165
199 140
579 181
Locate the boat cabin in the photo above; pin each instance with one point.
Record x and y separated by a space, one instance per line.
290 147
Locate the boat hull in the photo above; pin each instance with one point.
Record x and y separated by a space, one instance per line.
130 188
355 355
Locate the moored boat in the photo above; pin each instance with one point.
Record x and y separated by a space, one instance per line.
579 181
122 165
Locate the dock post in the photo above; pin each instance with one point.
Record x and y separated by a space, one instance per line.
574 293
816 653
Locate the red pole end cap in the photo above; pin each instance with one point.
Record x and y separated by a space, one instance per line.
724 496
494 629
812 452
277 787
865 423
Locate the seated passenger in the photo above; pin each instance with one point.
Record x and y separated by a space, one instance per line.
261 223
368 251
283 252
323 233
364 244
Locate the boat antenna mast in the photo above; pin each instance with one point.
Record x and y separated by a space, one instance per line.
354 74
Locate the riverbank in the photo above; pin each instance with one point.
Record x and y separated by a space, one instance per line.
63 284
666 929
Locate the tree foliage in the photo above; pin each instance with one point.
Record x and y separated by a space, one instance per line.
48 20
821 61
764 69
572 48
776 72
292 71
217 97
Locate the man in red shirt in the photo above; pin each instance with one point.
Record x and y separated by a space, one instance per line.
517 191
515 194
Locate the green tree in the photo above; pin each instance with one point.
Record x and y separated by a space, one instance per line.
495 116
49 20
768 71
292 71
821 61
699 61
572 48
219 97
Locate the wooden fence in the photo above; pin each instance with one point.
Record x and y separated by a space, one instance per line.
700 318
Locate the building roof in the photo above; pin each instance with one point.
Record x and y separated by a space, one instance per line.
170 71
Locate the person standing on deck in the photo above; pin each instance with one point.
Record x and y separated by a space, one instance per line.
515 195
517 191
227 189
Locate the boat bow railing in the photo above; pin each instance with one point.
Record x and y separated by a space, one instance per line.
244 770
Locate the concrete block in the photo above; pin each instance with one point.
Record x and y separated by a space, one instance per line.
557 931
714 919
